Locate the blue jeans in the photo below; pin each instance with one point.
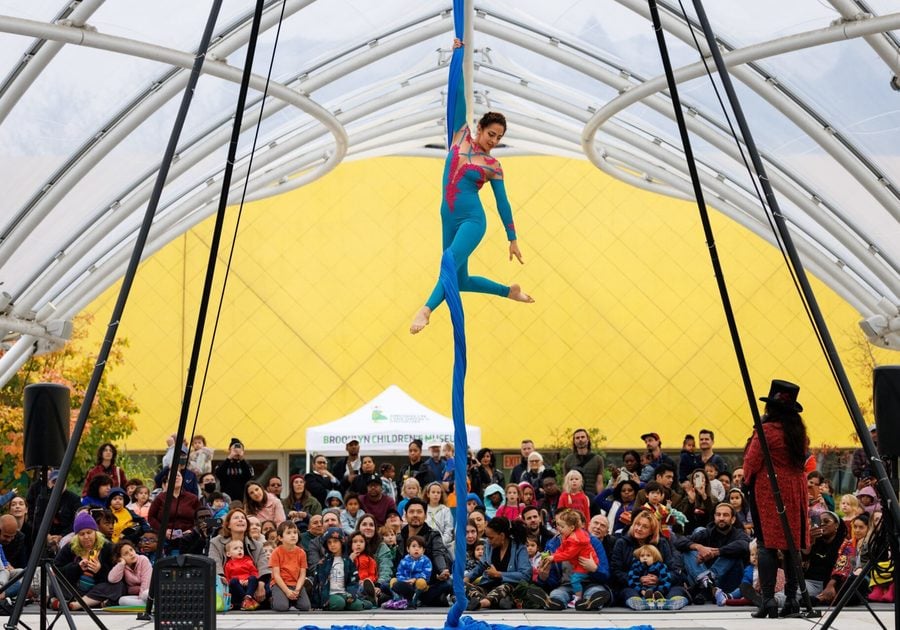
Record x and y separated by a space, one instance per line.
728 571
564 593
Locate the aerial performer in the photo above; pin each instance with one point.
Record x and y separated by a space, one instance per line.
463 223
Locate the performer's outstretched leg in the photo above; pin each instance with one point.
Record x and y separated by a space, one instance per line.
462 241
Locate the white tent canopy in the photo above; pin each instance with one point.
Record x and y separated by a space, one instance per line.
385 426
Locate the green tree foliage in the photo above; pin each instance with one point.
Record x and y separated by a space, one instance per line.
110 420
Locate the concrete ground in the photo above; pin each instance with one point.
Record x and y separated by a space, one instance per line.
693 617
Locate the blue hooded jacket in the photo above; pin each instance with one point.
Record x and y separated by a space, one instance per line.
489 509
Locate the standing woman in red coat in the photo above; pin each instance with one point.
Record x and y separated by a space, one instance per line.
106 465
786 439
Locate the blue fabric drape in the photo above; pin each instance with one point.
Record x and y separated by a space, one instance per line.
460 441
454 303
468 623
456 69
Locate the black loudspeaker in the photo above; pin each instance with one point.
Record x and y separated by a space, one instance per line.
185 593
46 424
886 396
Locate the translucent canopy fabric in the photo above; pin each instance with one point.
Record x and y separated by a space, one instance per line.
90 89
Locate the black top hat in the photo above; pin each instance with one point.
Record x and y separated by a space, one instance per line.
783 394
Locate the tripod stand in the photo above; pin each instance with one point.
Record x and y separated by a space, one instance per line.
52 583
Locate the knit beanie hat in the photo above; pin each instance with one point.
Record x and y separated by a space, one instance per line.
234 441
116 492
83 520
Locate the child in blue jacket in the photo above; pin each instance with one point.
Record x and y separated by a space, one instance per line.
413 574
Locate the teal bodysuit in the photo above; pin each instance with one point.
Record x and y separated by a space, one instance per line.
463 221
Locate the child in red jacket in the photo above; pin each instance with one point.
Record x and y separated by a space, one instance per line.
573 496
366 566
242 576
576 543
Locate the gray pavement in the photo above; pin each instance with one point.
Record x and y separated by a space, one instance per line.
692 617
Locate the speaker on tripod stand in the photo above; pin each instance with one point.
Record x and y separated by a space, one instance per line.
47 411
46 425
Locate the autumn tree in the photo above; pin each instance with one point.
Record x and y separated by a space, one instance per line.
111 418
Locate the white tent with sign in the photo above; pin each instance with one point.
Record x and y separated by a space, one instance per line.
385 426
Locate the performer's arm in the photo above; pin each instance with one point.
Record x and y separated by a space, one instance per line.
503 206
459 122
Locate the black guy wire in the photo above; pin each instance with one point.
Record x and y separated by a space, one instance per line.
90 394
759 195
723 292
262 105
883 484
210 274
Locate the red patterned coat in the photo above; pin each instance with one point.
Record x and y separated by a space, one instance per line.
791 482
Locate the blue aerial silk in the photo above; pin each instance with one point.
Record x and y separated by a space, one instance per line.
460 442
456 69
454 303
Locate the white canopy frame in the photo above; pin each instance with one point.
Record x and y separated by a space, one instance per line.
850 258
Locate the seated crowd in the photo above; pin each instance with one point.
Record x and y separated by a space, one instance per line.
650 533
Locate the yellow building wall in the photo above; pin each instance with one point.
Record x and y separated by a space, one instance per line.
627 333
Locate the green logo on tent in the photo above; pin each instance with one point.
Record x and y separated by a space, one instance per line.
377 415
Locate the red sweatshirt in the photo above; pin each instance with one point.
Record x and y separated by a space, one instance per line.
240 568
576 545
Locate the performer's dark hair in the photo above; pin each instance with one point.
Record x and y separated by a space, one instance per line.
795 437
492 117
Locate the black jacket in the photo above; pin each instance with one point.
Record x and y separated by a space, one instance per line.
319 486
233 474
16 551
732 544
68 564
69 503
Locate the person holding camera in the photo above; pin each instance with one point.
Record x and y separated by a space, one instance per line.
860 464
196 539
85 563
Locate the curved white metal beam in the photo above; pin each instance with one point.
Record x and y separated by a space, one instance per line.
33 63
577 113
175 58
118 129
189 156
708 133
16 356
883 47
676 161
876 183
836 228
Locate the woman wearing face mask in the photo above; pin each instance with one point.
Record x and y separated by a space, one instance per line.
208 485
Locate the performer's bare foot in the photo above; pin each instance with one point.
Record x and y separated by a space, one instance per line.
420 321
516 293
